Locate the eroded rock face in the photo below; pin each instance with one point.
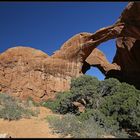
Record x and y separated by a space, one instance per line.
128 46
19 74
131 19
128 58
27 72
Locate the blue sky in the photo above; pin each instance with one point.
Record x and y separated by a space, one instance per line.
47 25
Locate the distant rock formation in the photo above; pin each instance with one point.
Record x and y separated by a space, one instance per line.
26 72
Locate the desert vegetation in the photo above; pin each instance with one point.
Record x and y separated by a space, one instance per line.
109 108
14 109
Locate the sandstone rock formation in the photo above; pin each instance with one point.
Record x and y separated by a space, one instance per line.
128 58
128 46
126 64
130 18
19 72
99 60
27 72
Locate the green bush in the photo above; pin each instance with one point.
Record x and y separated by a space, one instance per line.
31 103
12 112
86 81
13 109
108 87
55 104
108 124
123 107
70 125
83 90
85 115
113 105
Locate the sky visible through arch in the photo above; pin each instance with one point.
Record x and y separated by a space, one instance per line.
47 25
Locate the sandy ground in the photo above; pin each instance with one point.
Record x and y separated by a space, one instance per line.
35 127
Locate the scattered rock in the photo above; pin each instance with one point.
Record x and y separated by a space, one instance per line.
80 106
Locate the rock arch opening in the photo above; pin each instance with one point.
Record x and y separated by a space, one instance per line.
93 71
100 60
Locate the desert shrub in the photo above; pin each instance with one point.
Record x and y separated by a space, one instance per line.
84 80
11 112
83 90
108 124
127 88
113 105
91 93
90 90
70 125
50 104
12 109
108 87
31 103
54 104
86 114
91 129
123 107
